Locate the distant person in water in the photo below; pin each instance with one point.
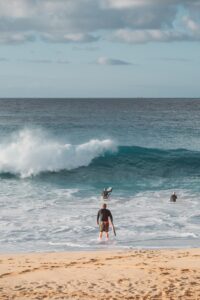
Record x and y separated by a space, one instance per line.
106 193
173 197
103 217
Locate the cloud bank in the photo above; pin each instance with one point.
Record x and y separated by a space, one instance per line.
87 21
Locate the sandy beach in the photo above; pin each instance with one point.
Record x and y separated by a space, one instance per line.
138 274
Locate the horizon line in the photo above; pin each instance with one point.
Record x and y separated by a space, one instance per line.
94 98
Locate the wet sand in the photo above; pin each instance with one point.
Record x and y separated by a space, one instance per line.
138 274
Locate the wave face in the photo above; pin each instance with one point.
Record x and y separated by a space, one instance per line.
31 152
138 169
144 162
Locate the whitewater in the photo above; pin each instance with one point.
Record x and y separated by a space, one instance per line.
31 152
57 155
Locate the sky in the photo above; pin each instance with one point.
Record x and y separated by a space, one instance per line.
99 48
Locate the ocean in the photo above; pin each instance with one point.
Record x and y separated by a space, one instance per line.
57 155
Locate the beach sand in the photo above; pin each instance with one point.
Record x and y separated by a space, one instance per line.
138 274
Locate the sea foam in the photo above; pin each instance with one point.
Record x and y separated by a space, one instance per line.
30 152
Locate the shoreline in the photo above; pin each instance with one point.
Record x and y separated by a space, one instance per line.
102 274
99 250
105 248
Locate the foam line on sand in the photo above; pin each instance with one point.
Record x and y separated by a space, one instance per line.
113 275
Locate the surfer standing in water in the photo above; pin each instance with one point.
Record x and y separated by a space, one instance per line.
173 197
103 217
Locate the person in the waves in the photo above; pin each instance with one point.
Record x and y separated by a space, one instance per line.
106 193
103 217
173 197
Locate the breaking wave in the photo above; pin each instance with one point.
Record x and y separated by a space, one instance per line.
31 152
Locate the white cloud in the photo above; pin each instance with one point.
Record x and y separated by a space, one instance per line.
145 36
16 37
14 8
70 37
191 25
82 21
121 4
111 61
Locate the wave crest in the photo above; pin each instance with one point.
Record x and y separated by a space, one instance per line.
31 152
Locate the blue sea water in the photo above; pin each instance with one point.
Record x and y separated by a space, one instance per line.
56 156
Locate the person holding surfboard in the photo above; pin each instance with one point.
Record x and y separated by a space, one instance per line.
103 217
106 193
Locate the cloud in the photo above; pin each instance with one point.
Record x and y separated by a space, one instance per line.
145 36
123 4
192 26
70 38
15 37
111 61
86 21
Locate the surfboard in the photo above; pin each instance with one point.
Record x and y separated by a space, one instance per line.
109 189
113 227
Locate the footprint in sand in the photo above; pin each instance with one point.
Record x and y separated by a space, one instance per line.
25 271
121 280
5 274
194 283
165 273
185 270
21 288
93 260
188 293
